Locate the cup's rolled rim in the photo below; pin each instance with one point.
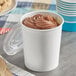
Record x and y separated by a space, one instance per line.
69 6
66 5
74 15
66 13
67 9
68 1
70 16
59 2
40 11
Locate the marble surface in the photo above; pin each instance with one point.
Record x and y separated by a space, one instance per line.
67 64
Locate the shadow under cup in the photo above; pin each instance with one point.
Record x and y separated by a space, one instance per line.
42 47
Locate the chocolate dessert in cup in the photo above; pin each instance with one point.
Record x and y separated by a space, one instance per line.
41 46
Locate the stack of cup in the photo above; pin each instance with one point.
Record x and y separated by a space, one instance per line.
67 8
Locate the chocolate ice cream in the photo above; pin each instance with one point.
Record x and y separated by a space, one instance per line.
40 21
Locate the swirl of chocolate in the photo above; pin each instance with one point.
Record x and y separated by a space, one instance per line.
40 22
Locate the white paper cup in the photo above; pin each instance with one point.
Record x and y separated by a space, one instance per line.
42 47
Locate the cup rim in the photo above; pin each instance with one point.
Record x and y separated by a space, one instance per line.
65 6
66 14
66 9
67 2
38 11
73 5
